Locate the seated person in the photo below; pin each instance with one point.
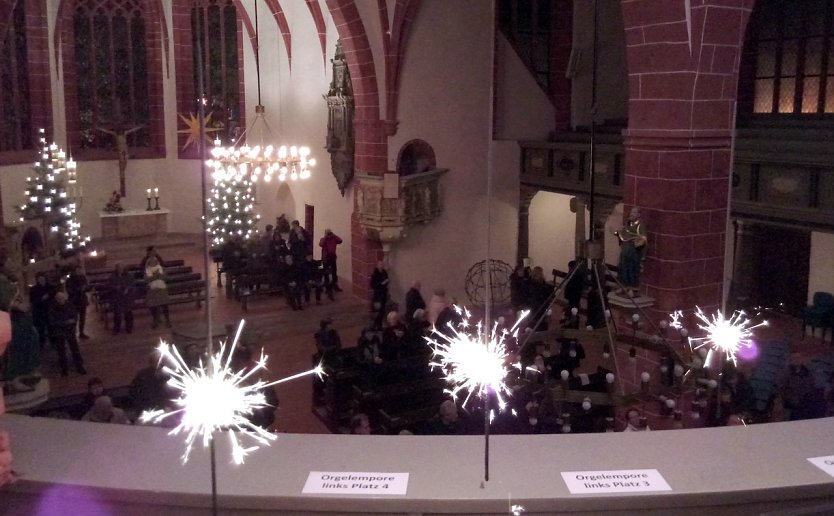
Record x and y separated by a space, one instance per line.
447 421
328 342
103 411
148 390
95 388
360 425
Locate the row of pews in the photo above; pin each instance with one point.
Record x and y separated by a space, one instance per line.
184 286
401 394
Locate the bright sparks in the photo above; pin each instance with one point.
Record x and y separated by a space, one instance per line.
724 335
476 363
216 398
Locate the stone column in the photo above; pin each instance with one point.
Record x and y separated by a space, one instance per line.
683 62
525 198
577 206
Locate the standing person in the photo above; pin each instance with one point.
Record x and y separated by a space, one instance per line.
77 287
293 288
40 297
299 241
379 286
24 355
328 245
62 317
413 301
157 294
122 291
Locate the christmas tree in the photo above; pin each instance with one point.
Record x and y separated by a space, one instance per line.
47 200
231 207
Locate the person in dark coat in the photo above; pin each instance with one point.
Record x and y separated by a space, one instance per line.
292 283
77 287
413 301
122 294
379 299
41 295
62 318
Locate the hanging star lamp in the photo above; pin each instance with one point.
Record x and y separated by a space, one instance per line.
286 162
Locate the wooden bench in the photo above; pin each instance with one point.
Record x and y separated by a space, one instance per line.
190 288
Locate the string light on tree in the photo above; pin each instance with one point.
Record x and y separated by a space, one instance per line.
46 196
231 207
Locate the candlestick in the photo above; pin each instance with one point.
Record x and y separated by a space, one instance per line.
149 204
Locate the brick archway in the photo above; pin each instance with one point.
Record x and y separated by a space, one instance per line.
683 62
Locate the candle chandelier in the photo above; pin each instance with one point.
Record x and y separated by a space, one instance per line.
286 162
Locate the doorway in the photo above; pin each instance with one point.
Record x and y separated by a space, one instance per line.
782 267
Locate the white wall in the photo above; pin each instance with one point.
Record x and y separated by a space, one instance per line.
821 275
444 100
522 109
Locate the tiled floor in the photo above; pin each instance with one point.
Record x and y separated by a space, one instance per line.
286 336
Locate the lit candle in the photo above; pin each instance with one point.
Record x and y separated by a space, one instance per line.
156 192
148 191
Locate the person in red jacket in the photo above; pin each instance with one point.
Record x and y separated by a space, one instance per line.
328 245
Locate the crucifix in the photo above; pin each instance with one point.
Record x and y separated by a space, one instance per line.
121 147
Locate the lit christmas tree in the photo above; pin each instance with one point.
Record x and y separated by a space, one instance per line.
47 200
231 207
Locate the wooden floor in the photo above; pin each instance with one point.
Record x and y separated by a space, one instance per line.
286 336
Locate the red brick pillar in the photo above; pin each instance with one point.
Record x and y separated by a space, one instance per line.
371 149
683 73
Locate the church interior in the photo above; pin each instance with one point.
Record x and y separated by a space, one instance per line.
639 176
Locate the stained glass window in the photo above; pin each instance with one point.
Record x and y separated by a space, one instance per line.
15 109
790 58
111 71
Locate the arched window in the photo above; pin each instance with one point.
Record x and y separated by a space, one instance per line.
112 66
25 99
216 25
788 61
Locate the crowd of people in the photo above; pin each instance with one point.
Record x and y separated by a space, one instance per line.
274 263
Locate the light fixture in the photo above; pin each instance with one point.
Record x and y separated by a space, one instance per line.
286 162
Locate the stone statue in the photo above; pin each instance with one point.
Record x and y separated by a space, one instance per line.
632 250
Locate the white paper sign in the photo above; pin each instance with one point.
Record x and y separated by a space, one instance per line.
358 483
616 481
824 463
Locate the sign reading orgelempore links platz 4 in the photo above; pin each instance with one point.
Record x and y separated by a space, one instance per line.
618 481
824 463
358 483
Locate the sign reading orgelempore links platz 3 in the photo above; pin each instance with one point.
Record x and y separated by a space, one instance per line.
353 482
617 481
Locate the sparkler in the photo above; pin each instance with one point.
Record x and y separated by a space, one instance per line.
216 398
477 363
725 335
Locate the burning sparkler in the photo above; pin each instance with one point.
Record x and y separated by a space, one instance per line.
725 335
217 398
477 363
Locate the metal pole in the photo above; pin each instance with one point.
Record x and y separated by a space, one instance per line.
591 153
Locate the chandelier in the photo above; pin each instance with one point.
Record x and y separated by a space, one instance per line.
253 162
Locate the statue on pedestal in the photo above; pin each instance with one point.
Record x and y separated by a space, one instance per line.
632 250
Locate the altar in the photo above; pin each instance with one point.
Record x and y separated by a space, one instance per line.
134 223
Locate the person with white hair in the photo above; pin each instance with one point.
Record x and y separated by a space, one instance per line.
103 411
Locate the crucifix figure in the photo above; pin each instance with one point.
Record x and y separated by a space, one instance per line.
121 147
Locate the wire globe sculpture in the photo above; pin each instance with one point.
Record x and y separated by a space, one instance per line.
497 274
